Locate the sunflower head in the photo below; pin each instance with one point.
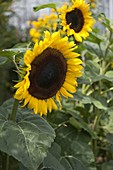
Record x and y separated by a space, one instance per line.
76 19
51 72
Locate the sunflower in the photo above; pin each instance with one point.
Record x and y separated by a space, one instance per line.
51 72
76 19
42 24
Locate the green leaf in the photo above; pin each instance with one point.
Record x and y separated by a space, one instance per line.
80 124
84 79
108 125
27 139
95 37
3 60
66 163
106 21
75 146
107 165
98 104
71 163
109 75
53 158
22 167
92 68
7 55
98 78
82 98
55 161
16 50
49 5
93 48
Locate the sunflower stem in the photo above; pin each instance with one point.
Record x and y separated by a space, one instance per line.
12 117
14 110
7 162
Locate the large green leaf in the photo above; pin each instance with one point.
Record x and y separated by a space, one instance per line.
75 148
108 165
78 122
72 163
55 161
27 139
53 158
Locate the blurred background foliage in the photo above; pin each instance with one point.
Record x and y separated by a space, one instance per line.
8 38
8 33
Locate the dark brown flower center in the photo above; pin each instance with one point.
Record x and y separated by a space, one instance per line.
48 71
75 19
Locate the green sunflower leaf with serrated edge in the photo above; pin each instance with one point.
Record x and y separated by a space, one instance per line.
27 139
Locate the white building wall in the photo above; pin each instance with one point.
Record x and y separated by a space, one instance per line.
24 10
111 9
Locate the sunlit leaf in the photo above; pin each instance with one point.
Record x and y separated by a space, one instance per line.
7 55
16 50
109 75
49 5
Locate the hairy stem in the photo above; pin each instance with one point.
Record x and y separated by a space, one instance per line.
7 162
14 110
12 117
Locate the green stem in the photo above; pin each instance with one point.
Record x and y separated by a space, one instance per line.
110 36
14 110
96 121
94 147
3 158
7 162
12 117
95 128
101 51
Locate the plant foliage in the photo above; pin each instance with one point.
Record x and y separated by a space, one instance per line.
78 137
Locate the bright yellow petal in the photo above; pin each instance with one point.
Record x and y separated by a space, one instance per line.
69 87
49 105
65 93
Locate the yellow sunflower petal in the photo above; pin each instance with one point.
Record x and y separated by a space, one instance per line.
65 93
26 101
69 87
58 98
